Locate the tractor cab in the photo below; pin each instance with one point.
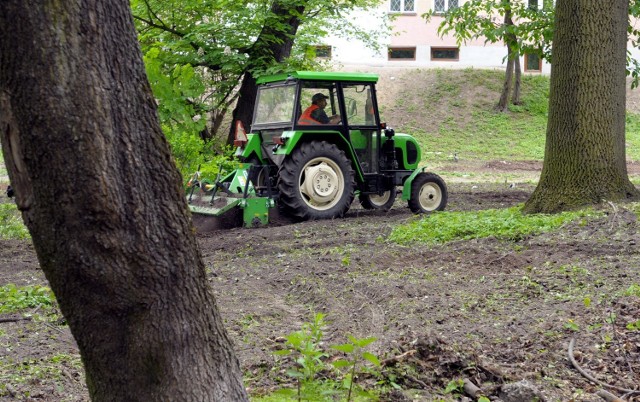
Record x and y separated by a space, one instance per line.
349 117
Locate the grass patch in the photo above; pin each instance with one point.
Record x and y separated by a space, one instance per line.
506 224
456 115
11 226
14 298
633 136
50 369
461 107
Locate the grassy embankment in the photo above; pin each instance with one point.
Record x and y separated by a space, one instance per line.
451 112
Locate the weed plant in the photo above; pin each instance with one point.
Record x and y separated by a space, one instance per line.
11 226
315 378
14 298
506 224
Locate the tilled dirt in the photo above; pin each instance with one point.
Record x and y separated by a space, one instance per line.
490 311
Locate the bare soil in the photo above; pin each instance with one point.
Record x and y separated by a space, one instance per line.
491 311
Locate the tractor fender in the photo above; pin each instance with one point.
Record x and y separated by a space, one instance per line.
252 147
293 139
406 187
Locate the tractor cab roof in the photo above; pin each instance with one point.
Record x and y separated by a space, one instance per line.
319 76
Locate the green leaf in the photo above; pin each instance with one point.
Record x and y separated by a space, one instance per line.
372 358
341 363
346 348
572 326
288 392
364 342
634 326
295 374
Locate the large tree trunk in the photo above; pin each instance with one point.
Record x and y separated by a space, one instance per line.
585 159
273 43
103 202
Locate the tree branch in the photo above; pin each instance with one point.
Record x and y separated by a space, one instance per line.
590 377
15 319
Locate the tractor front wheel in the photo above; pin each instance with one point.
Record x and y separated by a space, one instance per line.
316 182
428 193
382 202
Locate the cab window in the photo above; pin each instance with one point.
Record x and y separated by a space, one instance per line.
359 104
318 105
274 104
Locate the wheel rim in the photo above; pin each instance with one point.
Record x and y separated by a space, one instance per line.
380 200
321 183
430 196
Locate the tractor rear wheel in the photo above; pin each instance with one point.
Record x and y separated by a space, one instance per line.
382 202
428 193
258 174
316 182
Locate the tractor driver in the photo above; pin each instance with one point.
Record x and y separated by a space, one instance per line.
315 113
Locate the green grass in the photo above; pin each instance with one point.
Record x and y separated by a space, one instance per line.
49 369
506 224
14 298
456 115
11 226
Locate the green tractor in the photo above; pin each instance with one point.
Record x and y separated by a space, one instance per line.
317 142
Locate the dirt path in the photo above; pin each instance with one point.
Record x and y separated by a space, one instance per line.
493 311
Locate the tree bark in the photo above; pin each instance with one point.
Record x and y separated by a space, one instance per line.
517 86
503 103
512 55
585 160
102 199
274 44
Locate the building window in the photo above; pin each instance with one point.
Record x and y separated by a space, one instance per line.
540 4
402 53
532 62
445 54
323 51
440 6
402 6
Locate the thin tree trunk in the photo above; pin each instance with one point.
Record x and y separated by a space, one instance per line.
512 55
503 103
103 202
515 98
585 159
272 44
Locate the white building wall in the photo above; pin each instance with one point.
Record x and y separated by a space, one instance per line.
411 30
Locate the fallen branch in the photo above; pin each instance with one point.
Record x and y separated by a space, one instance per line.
590 377
608 396
471 389
15 319
395 359
417 381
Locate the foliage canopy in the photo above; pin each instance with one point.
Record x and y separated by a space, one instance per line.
196 53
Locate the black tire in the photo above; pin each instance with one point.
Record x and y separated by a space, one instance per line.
329 167
428 193
258 176
382 202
